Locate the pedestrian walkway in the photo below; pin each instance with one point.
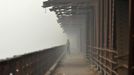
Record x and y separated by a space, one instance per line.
74 64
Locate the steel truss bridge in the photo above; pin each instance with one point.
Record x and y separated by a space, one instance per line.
104 28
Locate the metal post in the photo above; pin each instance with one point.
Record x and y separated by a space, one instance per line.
131 56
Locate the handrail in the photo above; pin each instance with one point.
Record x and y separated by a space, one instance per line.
36 63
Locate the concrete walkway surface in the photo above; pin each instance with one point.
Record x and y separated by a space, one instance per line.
74 64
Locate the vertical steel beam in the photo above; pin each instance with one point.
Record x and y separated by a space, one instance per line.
131 56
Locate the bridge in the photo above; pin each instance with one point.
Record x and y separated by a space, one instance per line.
101 35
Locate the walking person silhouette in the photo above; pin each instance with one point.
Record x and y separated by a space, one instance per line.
68 46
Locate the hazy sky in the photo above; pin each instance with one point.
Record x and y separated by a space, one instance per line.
25 27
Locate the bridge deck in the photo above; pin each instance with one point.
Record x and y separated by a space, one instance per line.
74 64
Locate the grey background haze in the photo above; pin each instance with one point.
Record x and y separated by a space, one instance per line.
25 27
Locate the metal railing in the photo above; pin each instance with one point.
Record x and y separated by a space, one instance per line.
36 63
102 62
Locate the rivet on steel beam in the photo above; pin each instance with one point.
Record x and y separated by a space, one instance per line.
17 70
10 73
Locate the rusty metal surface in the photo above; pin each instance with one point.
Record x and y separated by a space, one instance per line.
100 47
36 63
108 41
131 58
